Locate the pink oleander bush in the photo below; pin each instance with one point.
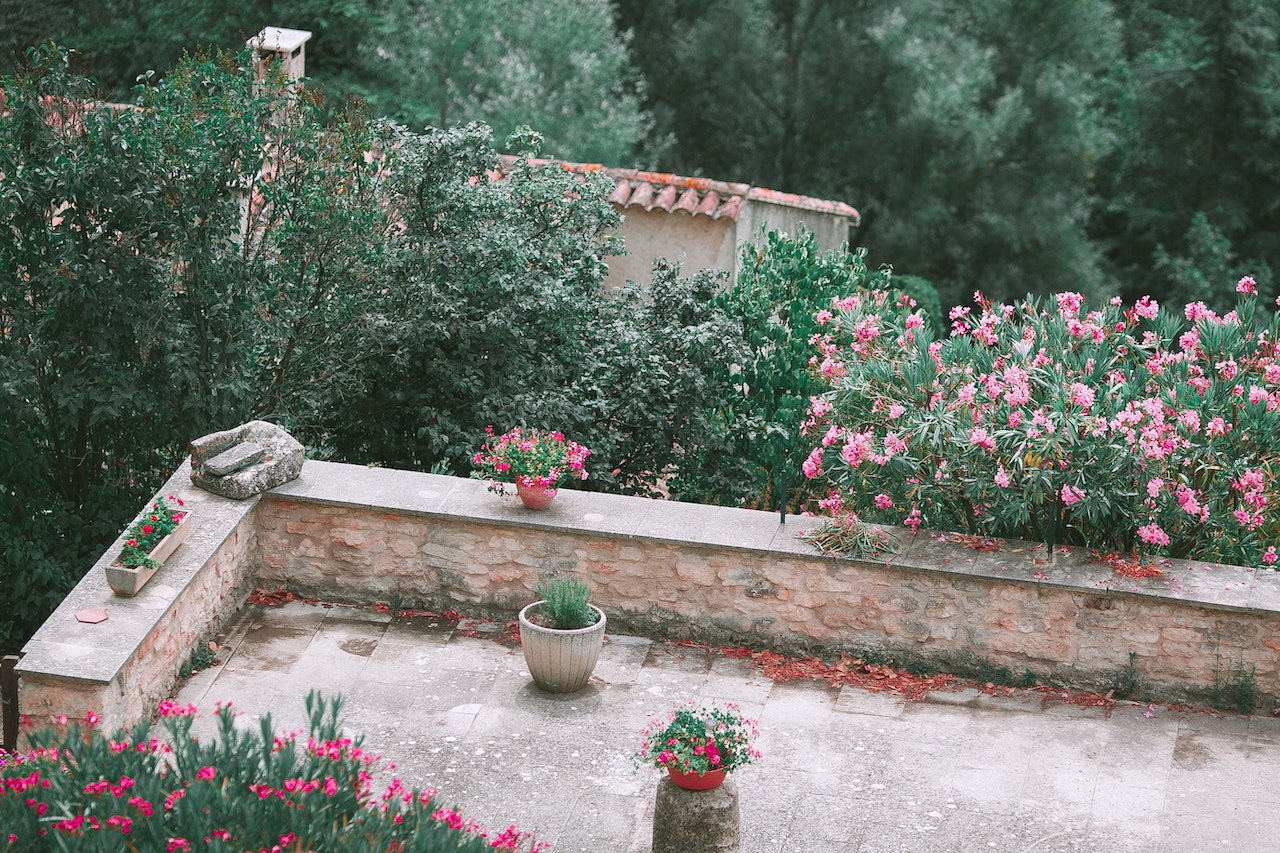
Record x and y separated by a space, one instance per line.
81 789
1113 428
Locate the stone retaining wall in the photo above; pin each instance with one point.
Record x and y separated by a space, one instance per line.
739 577
122 667
712 574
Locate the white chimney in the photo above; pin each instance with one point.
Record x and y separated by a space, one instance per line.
277 44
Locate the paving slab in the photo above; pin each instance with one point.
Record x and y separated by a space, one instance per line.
843 769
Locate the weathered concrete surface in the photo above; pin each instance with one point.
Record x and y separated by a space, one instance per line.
696 821
121 667
661 569
843 769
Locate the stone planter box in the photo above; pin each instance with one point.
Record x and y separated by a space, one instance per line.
127 581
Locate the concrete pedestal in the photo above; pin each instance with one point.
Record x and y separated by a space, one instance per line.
696 821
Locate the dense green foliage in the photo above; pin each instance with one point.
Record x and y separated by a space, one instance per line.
555 65
998 145
783 282
386 295
229 252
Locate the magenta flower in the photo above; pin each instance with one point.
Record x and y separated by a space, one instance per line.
1153 535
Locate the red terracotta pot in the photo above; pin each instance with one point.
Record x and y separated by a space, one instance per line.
535 497
694 782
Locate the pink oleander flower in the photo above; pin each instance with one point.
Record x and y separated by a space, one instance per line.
1247 285
1196 311
1069 304
1146 308
1071 495
883 501
1187 500
1002 478
1153 534
1080 395
812 466
980 438
1270 556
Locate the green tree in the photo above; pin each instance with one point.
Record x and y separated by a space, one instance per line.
782 285
555 65
1194 193
966 134
123 40
215 255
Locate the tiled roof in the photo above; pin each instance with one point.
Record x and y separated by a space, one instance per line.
696 196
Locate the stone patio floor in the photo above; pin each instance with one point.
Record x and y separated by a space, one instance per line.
844 769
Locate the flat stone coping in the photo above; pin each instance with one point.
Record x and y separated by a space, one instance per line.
1186 582
96 653
67 649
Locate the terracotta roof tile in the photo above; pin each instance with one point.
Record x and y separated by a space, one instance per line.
666 198
688 201
696 196
620 194
641 196
730 209
710 203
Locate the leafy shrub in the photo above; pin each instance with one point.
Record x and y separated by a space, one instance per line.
566 603
782 284
81 789
1110 428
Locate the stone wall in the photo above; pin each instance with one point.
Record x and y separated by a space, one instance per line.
710 574
122 667
739 577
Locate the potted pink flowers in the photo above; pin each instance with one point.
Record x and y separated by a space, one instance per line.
536 461
698 744
148 542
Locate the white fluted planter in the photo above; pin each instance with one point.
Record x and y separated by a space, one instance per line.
560 661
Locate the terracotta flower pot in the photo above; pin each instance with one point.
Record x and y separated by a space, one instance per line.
560 661
535 497
694 782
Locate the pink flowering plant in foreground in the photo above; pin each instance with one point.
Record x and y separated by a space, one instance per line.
529 457
1114 428
698 738
81 789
